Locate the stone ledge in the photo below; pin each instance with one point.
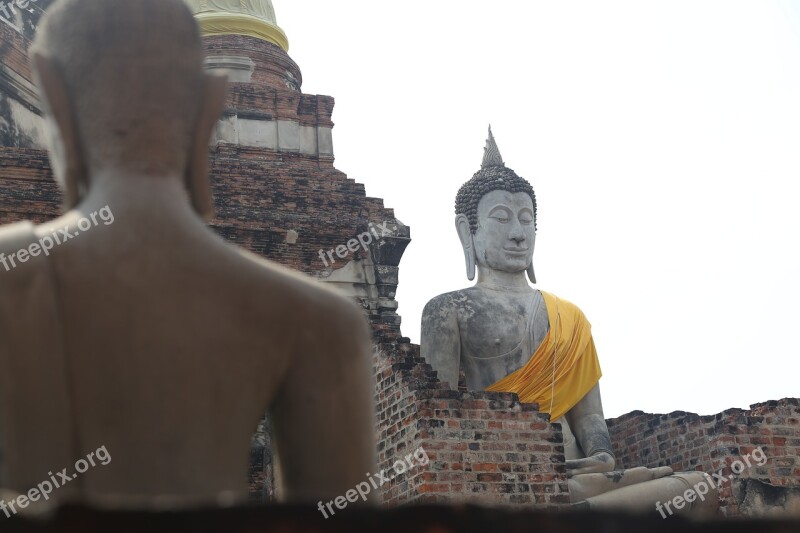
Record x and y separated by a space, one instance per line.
412 518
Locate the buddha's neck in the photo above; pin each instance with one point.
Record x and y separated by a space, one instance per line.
159 195
499 280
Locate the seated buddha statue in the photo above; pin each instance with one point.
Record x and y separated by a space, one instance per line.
508 336
153 337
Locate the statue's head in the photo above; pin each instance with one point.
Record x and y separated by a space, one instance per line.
124 93
496 217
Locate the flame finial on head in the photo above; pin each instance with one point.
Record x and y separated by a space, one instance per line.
491 154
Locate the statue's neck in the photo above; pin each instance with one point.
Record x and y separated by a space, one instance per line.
153 195
499 280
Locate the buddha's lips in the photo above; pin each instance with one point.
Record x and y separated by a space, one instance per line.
518 251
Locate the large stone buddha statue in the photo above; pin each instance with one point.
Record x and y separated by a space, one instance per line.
508 336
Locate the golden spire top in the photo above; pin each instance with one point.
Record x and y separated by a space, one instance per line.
252 18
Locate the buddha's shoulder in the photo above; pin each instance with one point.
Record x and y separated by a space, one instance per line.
455 300
454 297
445 304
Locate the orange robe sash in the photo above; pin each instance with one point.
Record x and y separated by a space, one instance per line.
569 347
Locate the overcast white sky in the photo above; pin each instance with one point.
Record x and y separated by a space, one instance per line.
663 142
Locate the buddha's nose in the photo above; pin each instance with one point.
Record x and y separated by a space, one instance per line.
517 235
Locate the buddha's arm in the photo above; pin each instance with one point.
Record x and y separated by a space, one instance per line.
440 344
323 415
589 427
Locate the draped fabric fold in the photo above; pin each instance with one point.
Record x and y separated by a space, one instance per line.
570 346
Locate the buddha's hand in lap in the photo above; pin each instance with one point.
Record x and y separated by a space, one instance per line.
597 463
582 486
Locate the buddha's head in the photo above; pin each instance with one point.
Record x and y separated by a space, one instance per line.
124 93
496 217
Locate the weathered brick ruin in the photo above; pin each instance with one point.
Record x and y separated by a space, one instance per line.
488 448
686 441
278 194
484 447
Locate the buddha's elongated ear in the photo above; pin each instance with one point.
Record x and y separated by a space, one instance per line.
529 270
531 274
467 243
212 103
66 155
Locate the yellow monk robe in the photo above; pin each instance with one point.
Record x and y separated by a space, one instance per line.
577 369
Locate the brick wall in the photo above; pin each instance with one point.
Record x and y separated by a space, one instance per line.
27 189
484 448
686 441
274 69
260 195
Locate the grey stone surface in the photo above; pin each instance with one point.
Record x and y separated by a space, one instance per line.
325 141
290 137
236 68
278 135
758 499
372 275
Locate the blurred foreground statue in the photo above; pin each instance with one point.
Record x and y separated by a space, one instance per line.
128 329
510 337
